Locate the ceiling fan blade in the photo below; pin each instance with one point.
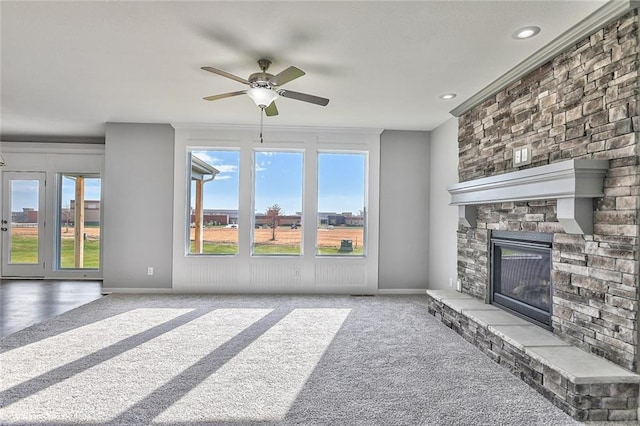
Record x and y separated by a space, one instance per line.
303 97
224 95
287 75
271 110
225 74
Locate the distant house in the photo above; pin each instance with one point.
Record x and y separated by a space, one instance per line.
91 212
340 219
285 220
27 215
210 218
354 220
231 215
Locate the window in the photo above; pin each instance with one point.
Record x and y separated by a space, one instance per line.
213 202
278 203
341 203
25 195
79 221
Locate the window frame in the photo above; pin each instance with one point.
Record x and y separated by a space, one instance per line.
187 235
57 246
254 153
366 178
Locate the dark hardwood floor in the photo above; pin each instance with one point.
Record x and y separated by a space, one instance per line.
27 302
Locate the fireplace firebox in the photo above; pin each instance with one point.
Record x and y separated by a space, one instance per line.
521 274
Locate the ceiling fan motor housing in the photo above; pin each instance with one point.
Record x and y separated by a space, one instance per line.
261 79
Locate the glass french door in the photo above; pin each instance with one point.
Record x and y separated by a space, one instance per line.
23 221
79 221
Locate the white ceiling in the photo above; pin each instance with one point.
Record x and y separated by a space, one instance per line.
69 67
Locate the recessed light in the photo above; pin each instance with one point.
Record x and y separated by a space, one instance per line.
526 32
448 96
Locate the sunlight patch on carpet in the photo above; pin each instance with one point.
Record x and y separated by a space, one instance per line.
104 391
30 361
263 381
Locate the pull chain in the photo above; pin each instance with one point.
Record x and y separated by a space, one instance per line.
261 120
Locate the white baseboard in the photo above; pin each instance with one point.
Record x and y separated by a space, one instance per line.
143 290
127 290
390 291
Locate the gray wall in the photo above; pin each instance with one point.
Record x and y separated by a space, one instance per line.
443 219
138 205
404 210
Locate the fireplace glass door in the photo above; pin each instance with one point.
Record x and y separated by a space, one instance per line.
521 278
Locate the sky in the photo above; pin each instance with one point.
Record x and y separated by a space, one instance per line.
91 190
279 180
24 193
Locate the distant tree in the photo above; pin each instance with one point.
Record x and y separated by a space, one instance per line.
273 214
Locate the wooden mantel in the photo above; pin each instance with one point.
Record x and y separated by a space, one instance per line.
574 183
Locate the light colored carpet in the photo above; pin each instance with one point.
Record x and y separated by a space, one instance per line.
203 359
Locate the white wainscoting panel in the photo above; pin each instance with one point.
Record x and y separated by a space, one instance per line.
347 274
211 275
276 275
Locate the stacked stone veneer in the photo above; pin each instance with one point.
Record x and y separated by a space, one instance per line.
582 104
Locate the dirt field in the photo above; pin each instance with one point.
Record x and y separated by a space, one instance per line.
284 235
92 232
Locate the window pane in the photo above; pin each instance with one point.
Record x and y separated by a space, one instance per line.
213 202
278 203
79 222
341 204
24 238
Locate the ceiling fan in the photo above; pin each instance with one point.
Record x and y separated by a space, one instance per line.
264 88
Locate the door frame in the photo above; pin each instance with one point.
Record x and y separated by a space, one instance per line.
28 270
54 158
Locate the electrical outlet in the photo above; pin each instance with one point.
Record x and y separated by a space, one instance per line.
150 270
516 156
450 282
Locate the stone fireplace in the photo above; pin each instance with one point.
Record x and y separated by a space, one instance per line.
579 116
580 106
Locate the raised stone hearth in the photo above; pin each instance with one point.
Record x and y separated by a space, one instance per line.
585 386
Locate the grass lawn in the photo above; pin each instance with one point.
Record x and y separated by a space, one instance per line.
215 248
271 249
221 248
276 249
24 249
91 254
332 251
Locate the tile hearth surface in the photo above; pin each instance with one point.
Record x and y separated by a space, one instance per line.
540 344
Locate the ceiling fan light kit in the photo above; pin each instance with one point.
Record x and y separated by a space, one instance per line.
262 96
